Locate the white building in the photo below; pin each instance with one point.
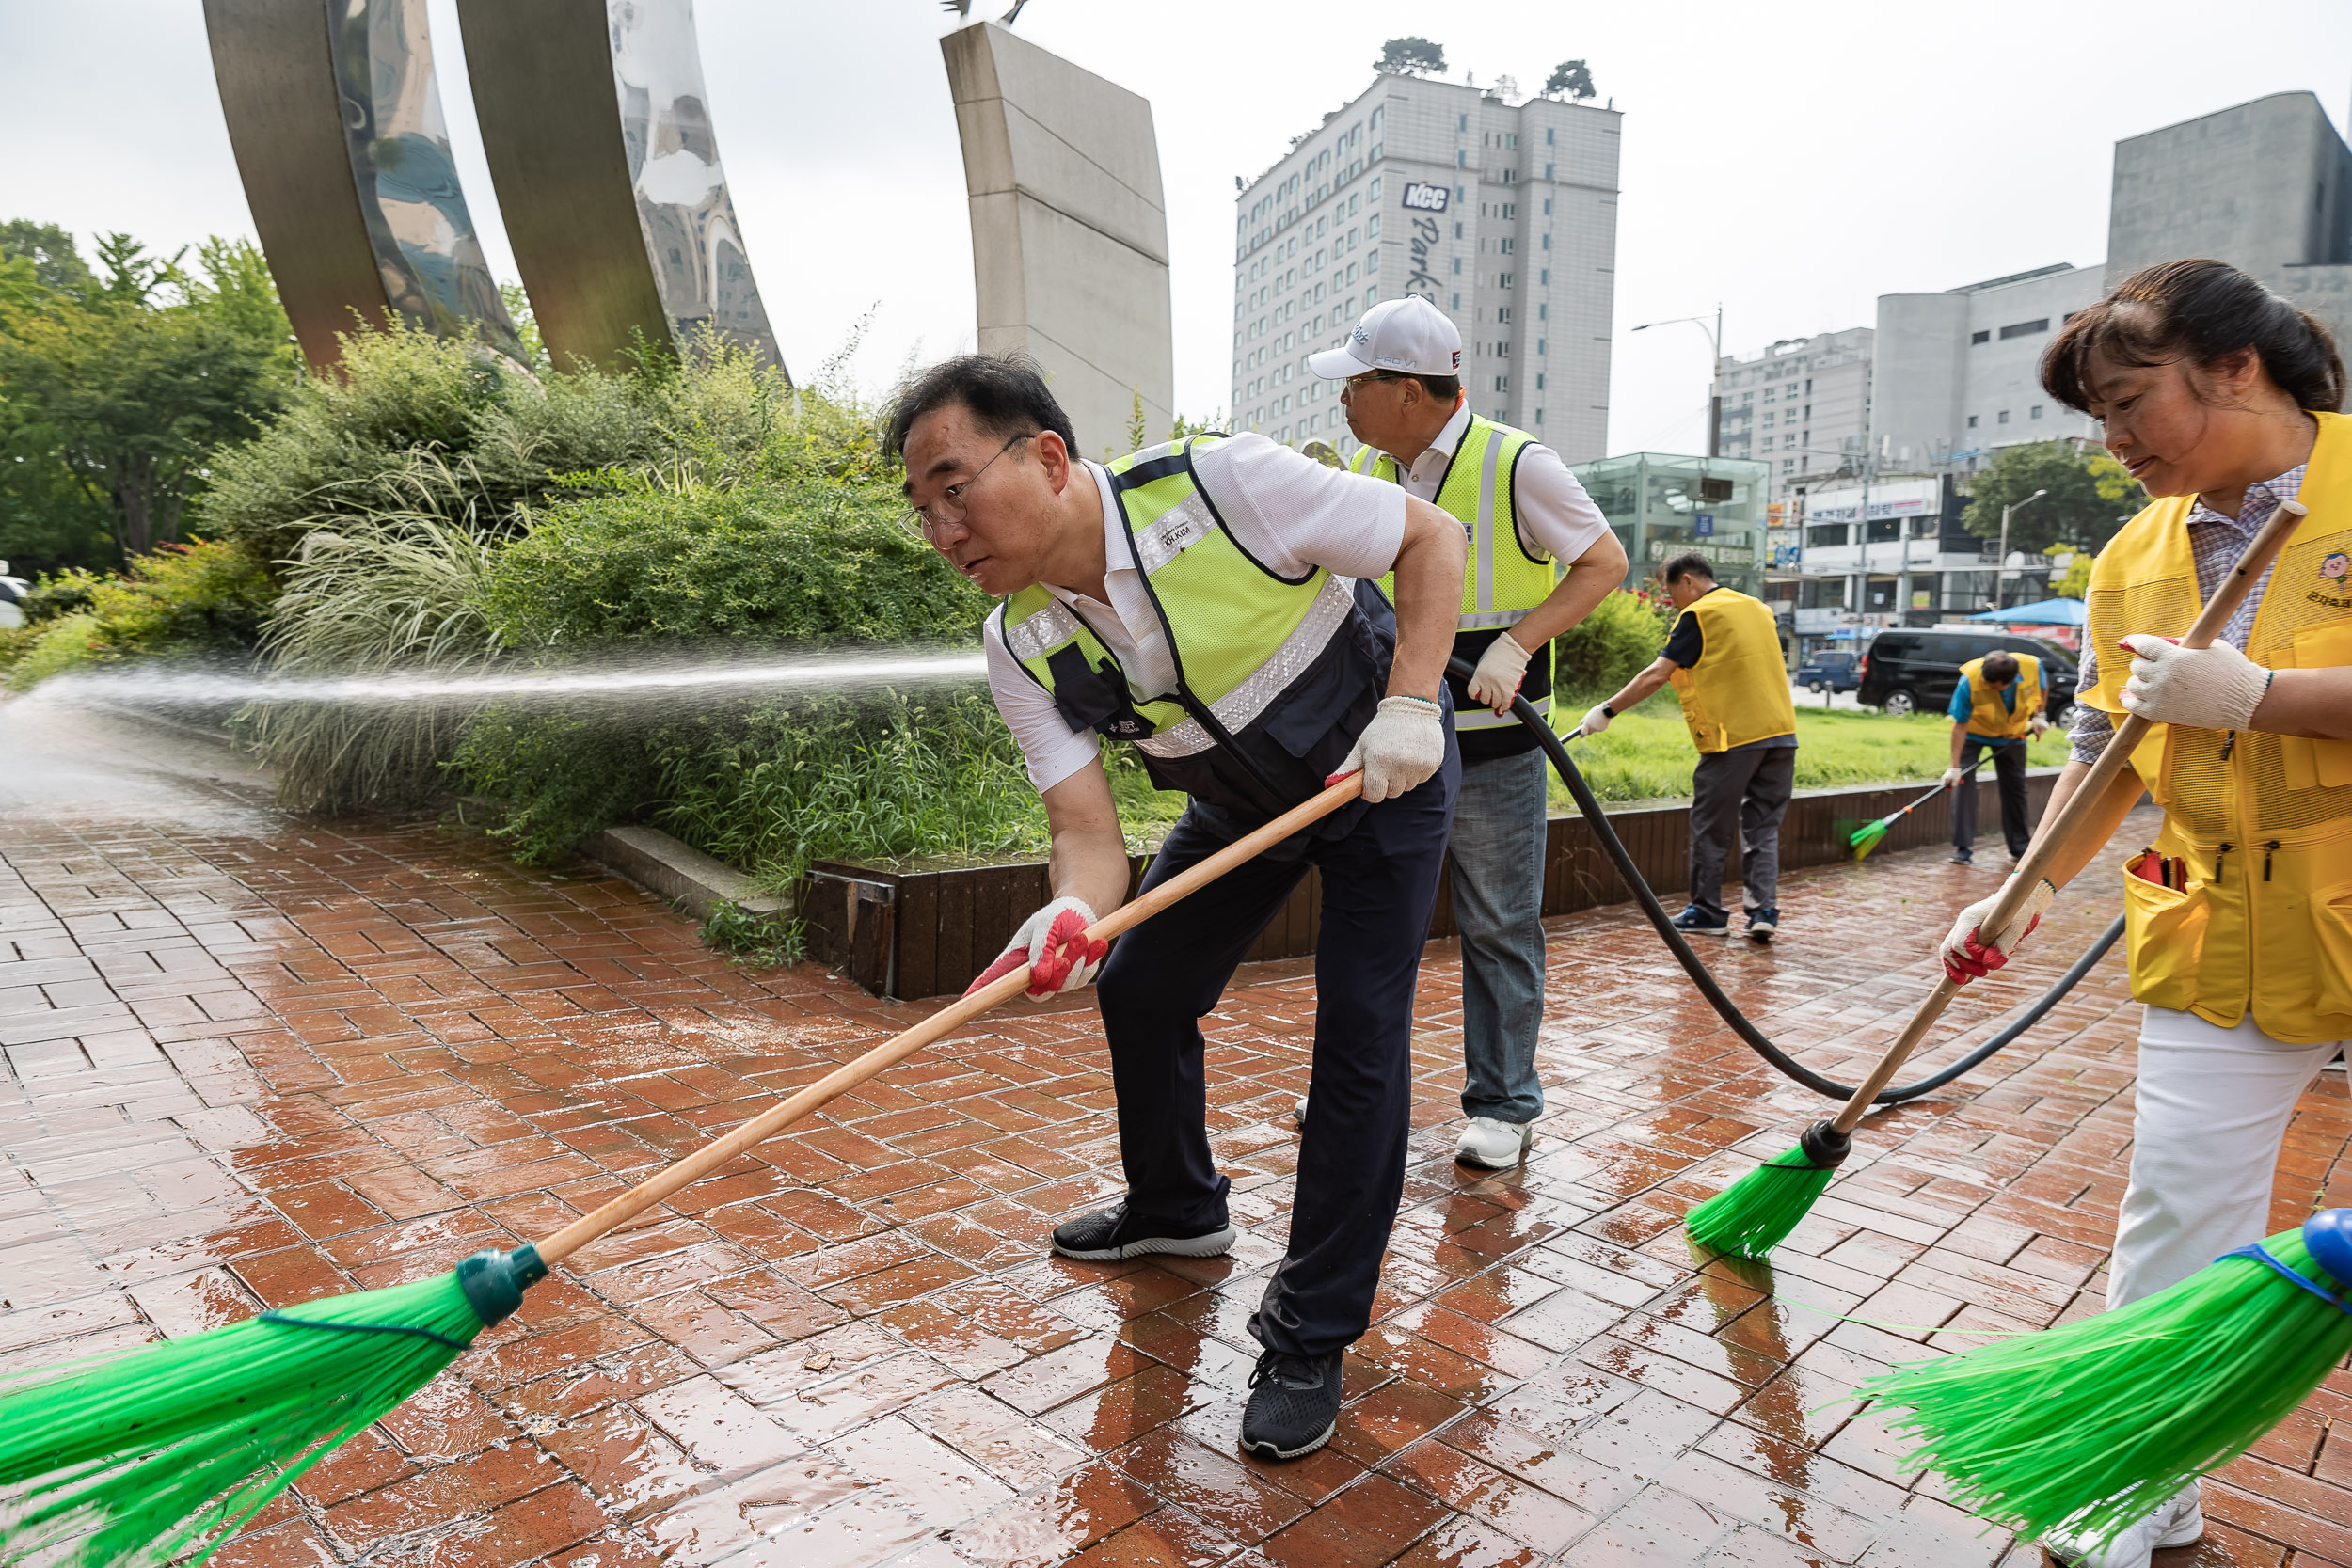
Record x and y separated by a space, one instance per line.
1958 371
1800 406
1502 215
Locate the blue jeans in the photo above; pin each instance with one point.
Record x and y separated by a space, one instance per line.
1498 851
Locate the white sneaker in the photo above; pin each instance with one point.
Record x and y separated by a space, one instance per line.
1492 1145
2180 1521
1298 1112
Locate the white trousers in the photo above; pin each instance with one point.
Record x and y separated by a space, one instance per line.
2214 1105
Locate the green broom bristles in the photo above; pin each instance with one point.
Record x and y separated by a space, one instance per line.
142 1456
2093 1425
1756 1213
1868 838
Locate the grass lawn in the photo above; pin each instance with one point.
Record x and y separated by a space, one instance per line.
1646 754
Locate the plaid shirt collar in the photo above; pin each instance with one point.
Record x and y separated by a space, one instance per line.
2261 501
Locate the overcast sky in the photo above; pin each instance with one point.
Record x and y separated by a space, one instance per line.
1793 161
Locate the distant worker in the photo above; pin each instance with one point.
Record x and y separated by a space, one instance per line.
1995 707
1724 657
1211 601
1399 375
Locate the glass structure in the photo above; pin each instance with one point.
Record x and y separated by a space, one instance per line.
1662 503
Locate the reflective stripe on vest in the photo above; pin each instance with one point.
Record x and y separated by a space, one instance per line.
2264 821
1238 635
1739 689
1987 714
1503 581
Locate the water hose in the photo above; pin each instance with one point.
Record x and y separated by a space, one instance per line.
1756 1039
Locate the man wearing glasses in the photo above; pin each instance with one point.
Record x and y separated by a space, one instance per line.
1522 511
1211 601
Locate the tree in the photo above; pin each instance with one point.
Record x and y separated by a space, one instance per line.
1571 79
2091 496
116 385
1411 57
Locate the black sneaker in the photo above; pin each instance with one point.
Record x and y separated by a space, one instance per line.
1964 857
1693 921
1108 1235
1763 923
1293 1405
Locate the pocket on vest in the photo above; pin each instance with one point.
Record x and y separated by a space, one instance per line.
1323 711
2331 936
2164 929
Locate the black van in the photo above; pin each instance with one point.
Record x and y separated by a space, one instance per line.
1908 672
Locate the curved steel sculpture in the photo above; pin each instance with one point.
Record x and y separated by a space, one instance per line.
335 119
599 134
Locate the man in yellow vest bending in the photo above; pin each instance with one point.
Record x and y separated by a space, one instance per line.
1995 707
1723 658
1523 514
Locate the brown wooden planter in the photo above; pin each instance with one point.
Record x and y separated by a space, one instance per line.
918 928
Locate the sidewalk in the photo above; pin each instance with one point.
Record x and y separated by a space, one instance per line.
253 1061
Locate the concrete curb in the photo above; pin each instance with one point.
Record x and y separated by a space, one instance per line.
685 875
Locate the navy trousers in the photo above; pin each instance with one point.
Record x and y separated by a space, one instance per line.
1379 886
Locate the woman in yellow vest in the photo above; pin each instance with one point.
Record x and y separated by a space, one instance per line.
2219 396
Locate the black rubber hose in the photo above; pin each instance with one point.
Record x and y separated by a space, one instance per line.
1702 978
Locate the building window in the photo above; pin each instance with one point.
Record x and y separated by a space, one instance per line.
1539 416
1458 230
1543 312
1547 135
2003 418
1461 159
1974 338
2035 412
1541 348
1457 266
1458 302
1502 383
1547 243
1972 421
1375 117
1539 381
1505 280
1787 465
1463 124
2024 329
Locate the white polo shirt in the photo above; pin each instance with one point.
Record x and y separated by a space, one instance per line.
1555 516
1288 511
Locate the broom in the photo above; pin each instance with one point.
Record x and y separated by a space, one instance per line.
1756 1213
154 1452
1866 838
2130 1406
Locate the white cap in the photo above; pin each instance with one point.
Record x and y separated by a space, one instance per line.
1409 335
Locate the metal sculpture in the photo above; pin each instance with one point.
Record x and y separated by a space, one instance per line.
335 119
599 133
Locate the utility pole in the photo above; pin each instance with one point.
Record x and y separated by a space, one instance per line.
1714 372
2000 572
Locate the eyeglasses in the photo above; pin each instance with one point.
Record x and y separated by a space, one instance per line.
1356 383
920 521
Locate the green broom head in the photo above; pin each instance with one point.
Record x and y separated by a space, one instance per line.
151 1455
2093 1425
1756 1213
1869 836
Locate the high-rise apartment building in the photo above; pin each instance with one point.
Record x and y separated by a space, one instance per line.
1502 215
1799 406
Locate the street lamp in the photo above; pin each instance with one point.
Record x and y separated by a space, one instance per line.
1715 398
2000 573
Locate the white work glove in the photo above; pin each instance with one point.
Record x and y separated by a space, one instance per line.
1968 955
1952 777
2207 688
1054 944
2039 724
1595 720
1500 668
1403 745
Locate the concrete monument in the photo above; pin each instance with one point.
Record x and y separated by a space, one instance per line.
1068 230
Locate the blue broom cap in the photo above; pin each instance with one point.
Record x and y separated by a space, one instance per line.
2328 1236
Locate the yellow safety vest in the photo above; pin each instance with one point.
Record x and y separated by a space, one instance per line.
1738 692
2264 821
1503 579
1275 676
1987 714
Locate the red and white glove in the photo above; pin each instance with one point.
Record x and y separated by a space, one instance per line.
1054 944
1500 668
1403 744
2208 688
1966 953
1952 776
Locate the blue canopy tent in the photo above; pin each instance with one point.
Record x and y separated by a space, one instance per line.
2043 613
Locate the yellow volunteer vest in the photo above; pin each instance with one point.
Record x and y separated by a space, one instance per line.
1988 715
1739 689
1503 581
2264 821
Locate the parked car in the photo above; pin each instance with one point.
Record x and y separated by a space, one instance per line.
1907 672
12 591
1831 670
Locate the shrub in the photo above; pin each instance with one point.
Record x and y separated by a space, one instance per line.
1624 634
55 645
202 599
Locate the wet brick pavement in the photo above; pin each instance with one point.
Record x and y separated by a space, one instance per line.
252 1062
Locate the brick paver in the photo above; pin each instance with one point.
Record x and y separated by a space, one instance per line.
254 1061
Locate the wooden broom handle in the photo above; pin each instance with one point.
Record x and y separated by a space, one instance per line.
2210 621
720 1152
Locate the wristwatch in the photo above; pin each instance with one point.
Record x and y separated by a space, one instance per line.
1608 712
